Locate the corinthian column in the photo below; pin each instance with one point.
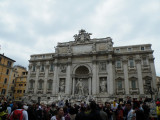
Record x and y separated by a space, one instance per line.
94 78
126 81
73 86
139 72
68 79
89 85
36 81
55 85
45 78
28 76
110 85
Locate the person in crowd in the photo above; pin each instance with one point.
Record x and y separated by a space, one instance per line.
53 110
119 112
158 111
38 112
138 110
131 114
114 106
19 112
108 110
31 112
3 111
94 114
146 111
102 113
81 115
59 115
72 113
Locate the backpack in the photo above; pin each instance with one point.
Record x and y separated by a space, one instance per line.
17 115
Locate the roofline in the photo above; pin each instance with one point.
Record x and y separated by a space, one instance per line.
7 57
133 45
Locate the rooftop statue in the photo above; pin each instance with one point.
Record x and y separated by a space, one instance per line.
82 36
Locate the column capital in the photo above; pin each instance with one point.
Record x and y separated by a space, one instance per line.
151 60
138 61
30 66
94 61
125 61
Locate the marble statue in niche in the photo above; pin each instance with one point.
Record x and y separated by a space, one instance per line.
62 86
80 87
94 47
103 85
109 46
102 66
63 68
69 49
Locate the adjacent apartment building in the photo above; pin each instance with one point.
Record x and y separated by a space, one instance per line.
19 82
6 71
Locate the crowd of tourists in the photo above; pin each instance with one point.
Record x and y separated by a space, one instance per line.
64 110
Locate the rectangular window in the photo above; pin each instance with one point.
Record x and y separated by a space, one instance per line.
0 59
133 83
5 80
117 50
9 64
31 85
119 84
42 68
131 63
3 91
129 49
40 85
142 48
23 91
118 64
7 72
50 85
33 68
51 68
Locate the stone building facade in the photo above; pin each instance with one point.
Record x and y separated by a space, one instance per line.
91 69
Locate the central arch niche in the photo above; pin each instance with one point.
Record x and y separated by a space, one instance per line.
82 70
82 82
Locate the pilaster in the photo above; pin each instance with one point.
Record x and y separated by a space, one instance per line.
154 81
126 82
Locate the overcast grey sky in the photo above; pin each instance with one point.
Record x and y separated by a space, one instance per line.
35 26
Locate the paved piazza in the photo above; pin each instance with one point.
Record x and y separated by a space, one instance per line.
86 69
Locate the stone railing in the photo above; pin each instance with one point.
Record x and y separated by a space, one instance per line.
120 91
134 91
